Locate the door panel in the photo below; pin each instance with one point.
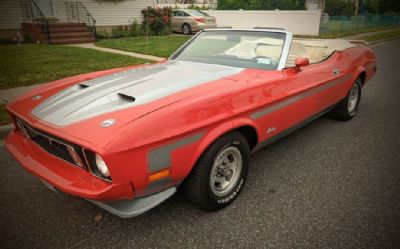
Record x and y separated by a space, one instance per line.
339 67
268 95
315 88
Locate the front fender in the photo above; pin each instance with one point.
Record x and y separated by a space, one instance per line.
216 132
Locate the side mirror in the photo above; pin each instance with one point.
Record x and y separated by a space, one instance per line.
302 62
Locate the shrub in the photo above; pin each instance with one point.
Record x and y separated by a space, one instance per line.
339 7
133 30
196 7
120 31
28 38
6 40
136 29
158 20
102 35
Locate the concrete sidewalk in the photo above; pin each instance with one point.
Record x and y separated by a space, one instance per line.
8 96
12 93
116 51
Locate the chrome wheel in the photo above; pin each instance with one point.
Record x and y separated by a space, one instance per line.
186 29
226 171
353 99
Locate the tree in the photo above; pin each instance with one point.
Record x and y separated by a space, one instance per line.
372 6
389 6
382 6
261 4
339 7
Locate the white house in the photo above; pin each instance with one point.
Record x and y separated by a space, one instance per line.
106 13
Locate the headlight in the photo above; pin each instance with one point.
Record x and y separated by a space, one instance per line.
97 166
101 165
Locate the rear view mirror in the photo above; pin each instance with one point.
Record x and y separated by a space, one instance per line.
302 62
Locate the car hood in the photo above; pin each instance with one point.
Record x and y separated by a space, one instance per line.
126 89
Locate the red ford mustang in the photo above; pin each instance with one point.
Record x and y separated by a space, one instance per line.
125 139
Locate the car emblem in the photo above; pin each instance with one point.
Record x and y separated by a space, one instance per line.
271 129
36 97
107 123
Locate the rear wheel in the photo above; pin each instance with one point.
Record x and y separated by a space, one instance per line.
220 173
186 29
347 108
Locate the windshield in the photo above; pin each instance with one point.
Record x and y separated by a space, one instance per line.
246 49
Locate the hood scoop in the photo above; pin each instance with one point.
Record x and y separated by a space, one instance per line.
83 86
126 98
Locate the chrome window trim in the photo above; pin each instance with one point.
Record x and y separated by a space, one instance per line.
285 51
181 48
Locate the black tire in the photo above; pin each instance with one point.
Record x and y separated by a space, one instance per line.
343 111
198 185
186 29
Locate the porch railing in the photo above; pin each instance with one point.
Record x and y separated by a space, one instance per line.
77 12
31 13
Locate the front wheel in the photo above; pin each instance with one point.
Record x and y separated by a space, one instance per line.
219 175
186 29
347 108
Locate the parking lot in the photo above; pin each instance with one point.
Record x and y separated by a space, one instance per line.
329 185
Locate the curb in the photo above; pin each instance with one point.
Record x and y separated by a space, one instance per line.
384 40
359 42
5 130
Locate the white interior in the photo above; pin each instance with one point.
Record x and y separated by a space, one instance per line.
316 50
249 49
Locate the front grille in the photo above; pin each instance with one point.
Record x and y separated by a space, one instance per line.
53 145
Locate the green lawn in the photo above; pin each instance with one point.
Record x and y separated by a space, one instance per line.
382 36
337 34
162 46
33 64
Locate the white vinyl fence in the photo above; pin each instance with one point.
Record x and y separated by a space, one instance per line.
300 22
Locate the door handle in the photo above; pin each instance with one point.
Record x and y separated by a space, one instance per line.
336 71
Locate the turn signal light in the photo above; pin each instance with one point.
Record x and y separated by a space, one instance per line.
159 175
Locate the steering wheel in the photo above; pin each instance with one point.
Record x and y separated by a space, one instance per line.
265 58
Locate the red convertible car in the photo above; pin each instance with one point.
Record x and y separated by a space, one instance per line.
126 139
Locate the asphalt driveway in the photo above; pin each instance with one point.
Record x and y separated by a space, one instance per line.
329 185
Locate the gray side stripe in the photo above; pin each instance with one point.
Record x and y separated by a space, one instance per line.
290 130
298 97
160 158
